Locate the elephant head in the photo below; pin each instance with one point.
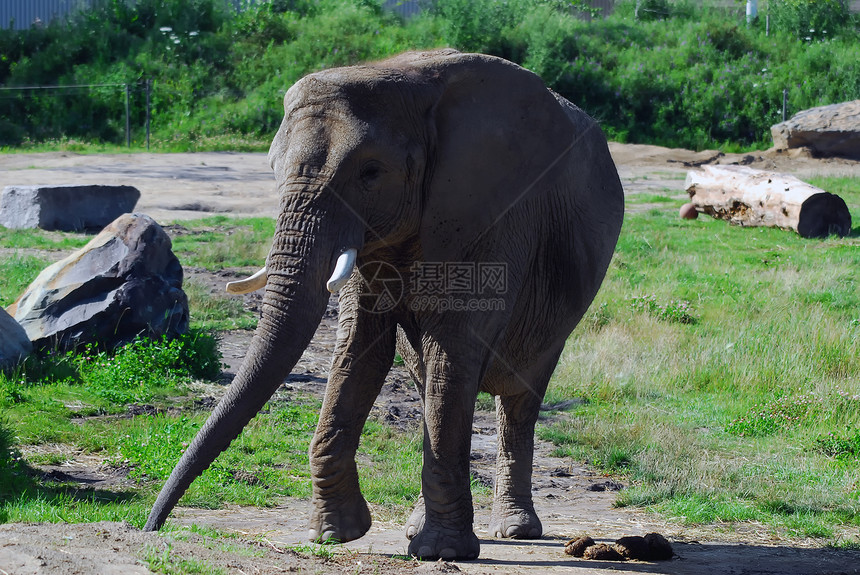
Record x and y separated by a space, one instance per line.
435 157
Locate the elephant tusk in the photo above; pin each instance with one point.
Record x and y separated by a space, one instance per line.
249 284
342 270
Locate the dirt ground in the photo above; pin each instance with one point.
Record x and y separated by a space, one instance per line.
570 498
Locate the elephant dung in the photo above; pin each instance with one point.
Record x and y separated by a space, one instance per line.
66 208
577 547
602 552
832 130
651 547
126 281
14 343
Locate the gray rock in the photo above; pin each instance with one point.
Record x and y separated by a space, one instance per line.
66 208
126 281
14 343
828 130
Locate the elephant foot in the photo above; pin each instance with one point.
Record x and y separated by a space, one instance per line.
515 524
339 520
435 542
416 521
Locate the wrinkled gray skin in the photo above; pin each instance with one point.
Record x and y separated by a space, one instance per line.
426 157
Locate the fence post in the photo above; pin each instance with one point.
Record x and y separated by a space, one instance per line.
752 11
148 91
127 117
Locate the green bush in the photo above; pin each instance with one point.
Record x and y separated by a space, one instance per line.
132 373
845 448
692 77
809 19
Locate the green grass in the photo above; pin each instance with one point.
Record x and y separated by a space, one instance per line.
74 401
16 273
220 242
41 239
719 369
165 561
216 312
748 413
20 268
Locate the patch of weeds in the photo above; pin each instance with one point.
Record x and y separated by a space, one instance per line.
322 549
611 460
167 562
769 418
842 447
485 402
674 311
598 317
847 545
134 372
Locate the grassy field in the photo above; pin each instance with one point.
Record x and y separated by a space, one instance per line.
719 370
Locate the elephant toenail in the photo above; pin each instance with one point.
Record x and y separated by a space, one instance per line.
425 551
447 554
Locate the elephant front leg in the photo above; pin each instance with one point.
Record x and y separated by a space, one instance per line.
445 528
514 514
362 359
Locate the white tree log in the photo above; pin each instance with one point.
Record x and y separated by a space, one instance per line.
749 197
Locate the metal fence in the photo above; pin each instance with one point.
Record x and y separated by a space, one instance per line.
20 14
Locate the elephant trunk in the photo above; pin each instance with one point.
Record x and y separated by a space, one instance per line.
293 306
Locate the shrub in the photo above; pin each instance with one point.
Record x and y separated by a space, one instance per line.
690 78
674 311
841 447
809 19
133 372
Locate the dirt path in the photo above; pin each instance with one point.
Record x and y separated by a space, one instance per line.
570 498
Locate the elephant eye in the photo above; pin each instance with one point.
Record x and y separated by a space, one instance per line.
370 173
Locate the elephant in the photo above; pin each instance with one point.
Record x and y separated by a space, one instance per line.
452 177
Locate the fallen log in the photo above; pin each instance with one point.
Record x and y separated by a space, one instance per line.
748 197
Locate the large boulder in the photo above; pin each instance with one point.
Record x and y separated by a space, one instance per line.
126 281
828 130
14 343
65 208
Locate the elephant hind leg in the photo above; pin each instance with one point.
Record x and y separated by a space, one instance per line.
514 514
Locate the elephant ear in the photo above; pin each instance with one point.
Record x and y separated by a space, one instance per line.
501 138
